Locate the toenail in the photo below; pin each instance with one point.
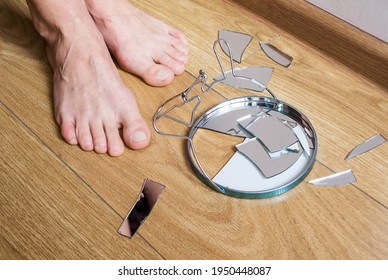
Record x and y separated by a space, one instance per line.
73 141
88 145
162 75
184 50
139 136
100 146
117 148
179 68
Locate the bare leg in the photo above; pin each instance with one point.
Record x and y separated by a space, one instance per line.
91 101
141 44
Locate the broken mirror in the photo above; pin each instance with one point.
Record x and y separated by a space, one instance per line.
145 202
276 143
277 148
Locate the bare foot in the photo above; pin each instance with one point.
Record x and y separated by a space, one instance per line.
91 101
141 44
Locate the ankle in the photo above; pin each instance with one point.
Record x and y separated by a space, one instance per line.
56 19
104 11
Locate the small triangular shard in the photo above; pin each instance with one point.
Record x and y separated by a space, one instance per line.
368 145
338 179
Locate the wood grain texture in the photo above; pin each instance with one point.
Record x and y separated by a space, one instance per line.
338 79
47 212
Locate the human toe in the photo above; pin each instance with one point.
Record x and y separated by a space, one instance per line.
99 138
177 56
136 134
178 34
168 61
158 75
138 139
115 144
180 46
84 136
68 132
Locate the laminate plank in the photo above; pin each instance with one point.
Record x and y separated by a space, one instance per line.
8 251
47 212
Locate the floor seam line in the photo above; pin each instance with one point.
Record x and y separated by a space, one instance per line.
356 187
73 171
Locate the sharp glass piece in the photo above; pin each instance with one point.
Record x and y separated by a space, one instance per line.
302 139
284 118
146 200
240 173
226 122
338 179
295 148
247 120
237 42
275 54
253 78
368 145
269 166
272 133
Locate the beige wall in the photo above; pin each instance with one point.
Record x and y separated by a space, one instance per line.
368 15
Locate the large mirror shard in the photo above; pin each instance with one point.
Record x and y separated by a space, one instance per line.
255 78
242 175
274 135
268 165
237 42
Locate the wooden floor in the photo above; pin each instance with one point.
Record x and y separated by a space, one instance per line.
58 202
